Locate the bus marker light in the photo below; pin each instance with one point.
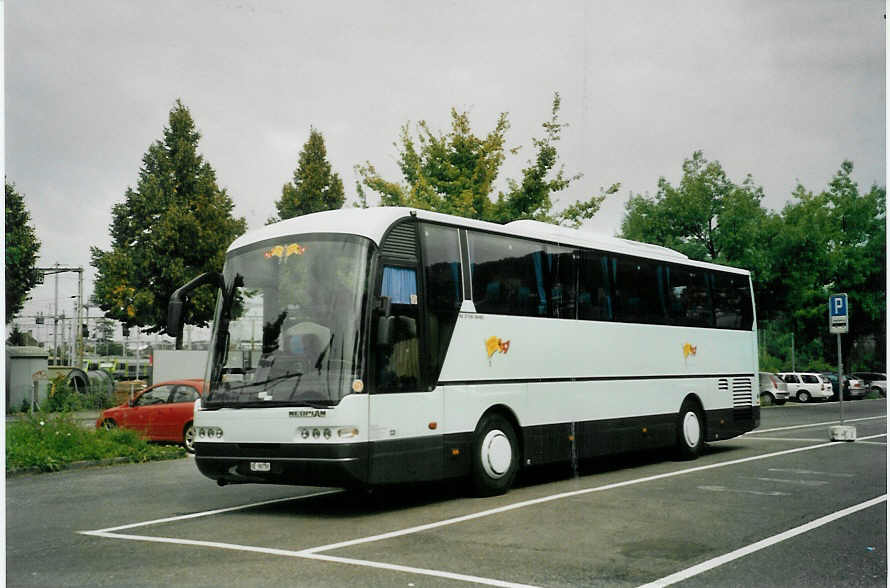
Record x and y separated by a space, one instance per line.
645 430
433 426
358 386
455 452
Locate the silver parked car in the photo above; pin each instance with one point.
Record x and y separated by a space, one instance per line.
773 390
874 381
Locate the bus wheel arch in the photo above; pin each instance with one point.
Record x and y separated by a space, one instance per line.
497 452
691 428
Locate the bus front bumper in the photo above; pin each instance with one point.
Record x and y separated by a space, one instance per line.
342 465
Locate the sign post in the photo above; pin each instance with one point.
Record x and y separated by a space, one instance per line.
839 323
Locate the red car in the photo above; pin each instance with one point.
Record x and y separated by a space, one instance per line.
162 412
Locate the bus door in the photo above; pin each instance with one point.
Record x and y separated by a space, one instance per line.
405 406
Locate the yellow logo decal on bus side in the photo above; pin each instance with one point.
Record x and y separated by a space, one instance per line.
495 344
688 349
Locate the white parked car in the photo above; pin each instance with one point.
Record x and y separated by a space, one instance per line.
806 386
773 389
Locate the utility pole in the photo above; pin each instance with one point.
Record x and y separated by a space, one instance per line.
56 322
56 270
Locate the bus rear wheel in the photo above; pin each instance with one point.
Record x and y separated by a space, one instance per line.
690 431
495 456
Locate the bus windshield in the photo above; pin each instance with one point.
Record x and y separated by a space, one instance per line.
308 293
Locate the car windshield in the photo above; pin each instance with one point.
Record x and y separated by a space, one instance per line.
288 328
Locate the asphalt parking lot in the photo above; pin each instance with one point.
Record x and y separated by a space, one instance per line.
781 506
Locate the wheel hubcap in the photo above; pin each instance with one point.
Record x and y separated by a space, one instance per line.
691 429
497 454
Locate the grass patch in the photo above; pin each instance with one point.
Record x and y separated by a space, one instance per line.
51 441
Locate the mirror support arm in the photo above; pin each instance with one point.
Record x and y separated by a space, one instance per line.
179 299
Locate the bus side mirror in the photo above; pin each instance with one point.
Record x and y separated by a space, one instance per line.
385 328
174 316
385 323
178 299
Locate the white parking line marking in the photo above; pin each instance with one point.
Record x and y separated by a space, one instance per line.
311 556
796 439
811 472
208 513
749 549
754 492
759 431
798 482
535 501
314 553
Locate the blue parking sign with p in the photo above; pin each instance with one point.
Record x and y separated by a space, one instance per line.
838 305
838 313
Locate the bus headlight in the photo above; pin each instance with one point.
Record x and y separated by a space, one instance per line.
327 433
210 433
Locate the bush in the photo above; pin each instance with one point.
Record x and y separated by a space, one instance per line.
51 441
63 397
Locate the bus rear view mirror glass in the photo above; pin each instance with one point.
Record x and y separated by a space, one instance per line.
385 327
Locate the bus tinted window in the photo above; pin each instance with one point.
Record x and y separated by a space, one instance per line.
442 272
560 277
638 291
732 301
507 275
688 298
595 288
522 278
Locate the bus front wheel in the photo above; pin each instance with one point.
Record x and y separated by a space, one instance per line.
690 431
495 456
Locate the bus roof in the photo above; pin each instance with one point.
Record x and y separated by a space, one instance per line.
373 224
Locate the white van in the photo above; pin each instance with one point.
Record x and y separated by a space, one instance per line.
804 386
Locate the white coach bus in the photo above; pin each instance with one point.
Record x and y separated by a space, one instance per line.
402 345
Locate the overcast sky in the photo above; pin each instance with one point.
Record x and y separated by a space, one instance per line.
784 91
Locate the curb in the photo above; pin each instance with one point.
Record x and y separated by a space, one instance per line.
75 465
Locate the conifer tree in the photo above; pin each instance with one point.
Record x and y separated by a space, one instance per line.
21 252
176 224
315 186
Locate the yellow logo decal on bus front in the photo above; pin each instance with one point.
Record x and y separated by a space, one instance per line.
688 349
284 251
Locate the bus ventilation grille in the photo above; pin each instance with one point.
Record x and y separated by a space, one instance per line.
742 404
400 242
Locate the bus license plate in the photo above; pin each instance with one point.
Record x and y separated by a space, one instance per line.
260 466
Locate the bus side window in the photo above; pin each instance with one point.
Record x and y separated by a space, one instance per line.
398 365
443 295
594 288
399 284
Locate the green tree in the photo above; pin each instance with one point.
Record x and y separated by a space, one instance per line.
710 218
176 224
455 173
820 243
833 242
21 247
314 187
689 217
